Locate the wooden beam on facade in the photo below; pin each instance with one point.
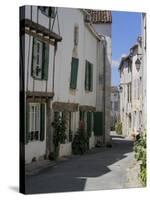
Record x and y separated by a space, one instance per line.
87 108
33 26
63 106
39 94
38 36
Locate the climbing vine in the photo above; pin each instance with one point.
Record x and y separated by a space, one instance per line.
140 155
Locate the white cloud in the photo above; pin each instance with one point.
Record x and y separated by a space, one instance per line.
123 55
115 63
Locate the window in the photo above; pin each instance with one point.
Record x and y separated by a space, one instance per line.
139 86
40 60
35 121
76 35
48 11
88 76
74 73
134 89
116 106
129 92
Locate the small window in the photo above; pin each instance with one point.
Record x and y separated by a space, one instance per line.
48 11
35 122
40 60
88 76
74 73
76 35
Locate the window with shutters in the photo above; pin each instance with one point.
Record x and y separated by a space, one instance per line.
74 73
48 11
88 76
40 60
35 122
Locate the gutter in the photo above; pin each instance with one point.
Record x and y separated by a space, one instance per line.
90 27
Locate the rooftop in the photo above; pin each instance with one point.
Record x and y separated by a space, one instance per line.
100 16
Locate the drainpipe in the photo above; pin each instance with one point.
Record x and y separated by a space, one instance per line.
104 84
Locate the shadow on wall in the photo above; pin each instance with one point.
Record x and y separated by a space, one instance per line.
71 175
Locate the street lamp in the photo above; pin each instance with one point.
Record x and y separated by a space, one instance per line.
138 64
120 86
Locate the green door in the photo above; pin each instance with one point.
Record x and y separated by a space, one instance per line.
98 123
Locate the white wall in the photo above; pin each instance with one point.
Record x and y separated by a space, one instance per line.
86 51
103 29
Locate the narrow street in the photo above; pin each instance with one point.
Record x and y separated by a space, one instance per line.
101 168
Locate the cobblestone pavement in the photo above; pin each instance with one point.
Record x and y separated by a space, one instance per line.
101 168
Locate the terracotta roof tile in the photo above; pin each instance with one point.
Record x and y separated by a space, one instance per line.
100 16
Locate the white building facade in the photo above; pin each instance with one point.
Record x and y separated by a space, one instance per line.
61 55
133 89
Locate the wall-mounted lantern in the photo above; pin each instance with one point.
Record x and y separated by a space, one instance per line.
138 64
120 88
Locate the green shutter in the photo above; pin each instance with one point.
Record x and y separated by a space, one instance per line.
90 77
98 124
45 61
42 122
86 75
74 73
34 49
82 115
27 124
89 123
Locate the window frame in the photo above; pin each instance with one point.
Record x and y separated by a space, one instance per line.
42 65
33 120
88 76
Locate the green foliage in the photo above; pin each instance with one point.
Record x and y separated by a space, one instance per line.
80 142
140 155
118 128
59 125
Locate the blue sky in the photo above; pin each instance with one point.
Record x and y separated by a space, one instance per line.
126 27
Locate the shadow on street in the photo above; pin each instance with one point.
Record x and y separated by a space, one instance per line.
71 174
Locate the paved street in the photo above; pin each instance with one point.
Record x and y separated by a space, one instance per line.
101 168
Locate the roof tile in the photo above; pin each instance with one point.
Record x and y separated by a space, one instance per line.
100 16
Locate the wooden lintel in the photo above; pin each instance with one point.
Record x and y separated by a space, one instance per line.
63 106
40 29
40 37
36 100
39 94
87 108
